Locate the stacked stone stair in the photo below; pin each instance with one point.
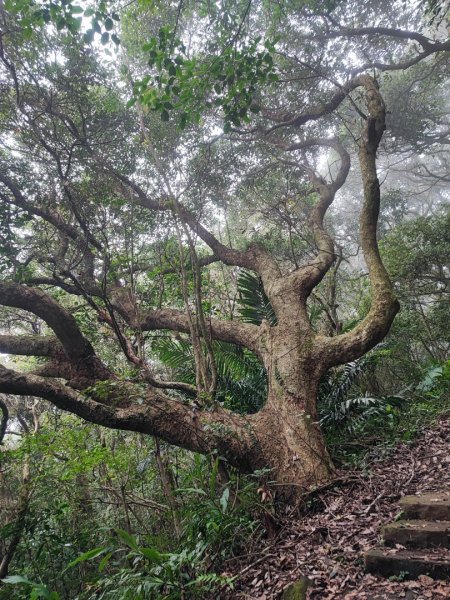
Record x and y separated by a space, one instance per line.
419 544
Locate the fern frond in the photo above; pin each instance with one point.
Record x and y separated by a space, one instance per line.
255 305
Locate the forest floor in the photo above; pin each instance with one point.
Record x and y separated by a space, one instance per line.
328 543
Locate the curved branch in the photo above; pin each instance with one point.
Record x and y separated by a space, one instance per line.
404 64
255 257
75 345
315 112
227 255
385 306
203 261
428 45
242 334
233 332
308 276
287 119
386 31
145 373
87 285
53 218
171 385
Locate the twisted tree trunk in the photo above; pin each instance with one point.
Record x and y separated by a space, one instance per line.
284 436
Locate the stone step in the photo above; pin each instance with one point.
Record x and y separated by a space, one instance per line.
430 507
408 563
418 534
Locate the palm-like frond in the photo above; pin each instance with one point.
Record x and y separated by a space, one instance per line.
177 355
336 385
353 413
255 305
242 381
233 361
337 409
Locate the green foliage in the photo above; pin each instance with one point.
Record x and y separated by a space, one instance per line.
221 515
416 252
436 11
177 355
255 305
416 256
343 411
37 590
76 539
13 225
65 15
99 523
118 390
436 381
242 381
90 554
217 522
154 575
228 80
390 419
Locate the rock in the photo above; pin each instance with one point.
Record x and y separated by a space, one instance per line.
296 590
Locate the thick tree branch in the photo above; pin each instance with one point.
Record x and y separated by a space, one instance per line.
308 276
428 45
289 119
203 261
242 334
376 324
285 119
57 318
161 416
132 357
54 282
402 34
404 64
233 332
30 345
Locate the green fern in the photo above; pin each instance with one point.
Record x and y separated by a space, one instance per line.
339 410
177 355
255 305
242 381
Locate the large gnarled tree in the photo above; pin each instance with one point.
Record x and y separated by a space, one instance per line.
66 156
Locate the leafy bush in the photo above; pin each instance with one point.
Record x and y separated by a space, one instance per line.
219 518
340 410
218 521
144 573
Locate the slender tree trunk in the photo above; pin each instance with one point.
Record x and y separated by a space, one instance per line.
19 522
168 486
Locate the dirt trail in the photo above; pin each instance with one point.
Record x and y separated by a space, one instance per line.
328 544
